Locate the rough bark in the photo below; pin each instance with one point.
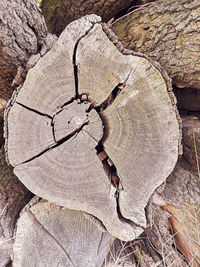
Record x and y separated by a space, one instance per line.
23 33
168 32
58 14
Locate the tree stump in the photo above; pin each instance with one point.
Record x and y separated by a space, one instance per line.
49 235
94 128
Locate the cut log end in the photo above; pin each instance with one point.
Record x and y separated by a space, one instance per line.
86 98
50 235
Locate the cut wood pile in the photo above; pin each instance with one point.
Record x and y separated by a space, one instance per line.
93 131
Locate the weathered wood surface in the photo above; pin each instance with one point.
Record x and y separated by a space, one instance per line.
141 128
58 14
23 34
13 197
168 32
49 235
173 226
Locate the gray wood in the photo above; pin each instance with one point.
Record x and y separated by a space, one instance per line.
31 139
168 32
23 34
49 235
13 197
139 130
142 128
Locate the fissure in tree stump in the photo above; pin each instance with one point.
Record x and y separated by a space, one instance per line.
94 128
49 235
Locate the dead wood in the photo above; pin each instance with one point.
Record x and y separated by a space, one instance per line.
23 34
49 235
168 32
59 133
58 14
172 238
13 197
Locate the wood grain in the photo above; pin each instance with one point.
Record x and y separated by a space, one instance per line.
138 128
49 235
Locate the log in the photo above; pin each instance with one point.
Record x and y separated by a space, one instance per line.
172 238
13 197
49 235
60 13
85 98
168 32
23 33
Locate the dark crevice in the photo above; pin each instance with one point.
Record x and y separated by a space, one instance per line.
67 103
110 99
123 219
77 96
111 172
34 110
53 130
112 96
58 143
108 166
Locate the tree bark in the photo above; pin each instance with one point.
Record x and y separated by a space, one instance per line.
58 14
168 32
23 33
182 187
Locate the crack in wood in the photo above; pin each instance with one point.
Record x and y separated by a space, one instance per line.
34 220
58 143
112 96
77 96
34 110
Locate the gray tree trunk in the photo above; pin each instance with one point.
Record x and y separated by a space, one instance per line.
168 32
23 33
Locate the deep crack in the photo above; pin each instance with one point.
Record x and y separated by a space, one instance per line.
58 143
34 110
112 96
108 166
77 96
